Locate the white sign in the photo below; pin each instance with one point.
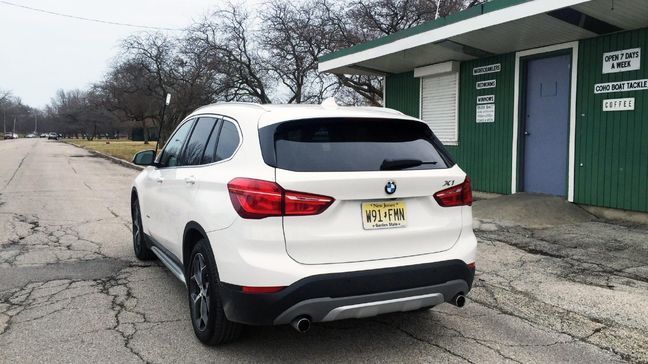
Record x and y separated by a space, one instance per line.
486 99
486 84
487 69
635 85
621 61
486 113
619 104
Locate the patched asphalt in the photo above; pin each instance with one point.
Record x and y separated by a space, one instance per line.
71 290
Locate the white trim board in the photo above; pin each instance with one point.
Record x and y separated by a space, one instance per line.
496 17
572 112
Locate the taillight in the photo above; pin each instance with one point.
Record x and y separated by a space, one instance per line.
459 195
301 204
257 199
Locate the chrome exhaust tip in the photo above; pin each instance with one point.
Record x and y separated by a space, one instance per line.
459 300
301 324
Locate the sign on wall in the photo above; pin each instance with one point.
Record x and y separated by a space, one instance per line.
634 85
486 113
619 104
486 84
487 69
486 99
621 61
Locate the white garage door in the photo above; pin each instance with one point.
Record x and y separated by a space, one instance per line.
439 106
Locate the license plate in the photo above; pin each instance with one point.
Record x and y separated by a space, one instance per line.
383 215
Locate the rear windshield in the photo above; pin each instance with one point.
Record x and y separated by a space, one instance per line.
352 144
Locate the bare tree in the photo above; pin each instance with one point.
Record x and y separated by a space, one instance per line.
293 38
226 38
129 92
76 111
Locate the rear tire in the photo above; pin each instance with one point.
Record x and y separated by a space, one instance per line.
208 319
142 252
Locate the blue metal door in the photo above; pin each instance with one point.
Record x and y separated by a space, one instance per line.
546 125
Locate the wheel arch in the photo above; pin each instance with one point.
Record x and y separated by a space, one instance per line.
193 232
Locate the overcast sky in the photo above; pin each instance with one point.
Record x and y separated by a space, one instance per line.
41 53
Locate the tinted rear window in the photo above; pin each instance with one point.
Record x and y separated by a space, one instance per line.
350 144
195 147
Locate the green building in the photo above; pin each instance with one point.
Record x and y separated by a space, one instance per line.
544 96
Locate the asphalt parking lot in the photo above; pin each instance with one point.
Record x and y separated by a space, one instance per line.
71 290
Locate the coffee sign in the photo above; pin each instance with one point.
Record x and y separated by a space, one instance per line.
619 104
621 61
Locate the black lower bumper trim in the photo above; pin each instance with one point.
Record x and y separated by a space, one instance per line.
263 309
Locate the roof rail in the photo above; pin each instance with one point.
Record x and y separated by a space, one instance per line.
232 102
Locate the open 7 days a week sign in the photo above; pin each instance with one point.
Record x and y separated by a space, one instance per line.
621 61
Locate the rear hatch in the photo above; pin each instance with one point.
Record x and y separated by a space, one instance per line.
382 173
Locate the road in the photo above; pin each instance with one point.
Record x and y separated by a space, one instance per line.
71 290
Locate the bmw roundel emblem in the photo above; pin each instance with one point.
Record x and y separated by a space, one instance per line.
390 187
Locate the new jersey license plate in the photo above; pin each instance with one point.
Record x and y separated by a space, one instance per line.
383 215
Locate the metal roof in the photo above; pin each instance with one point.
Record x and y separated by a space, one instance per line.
496 27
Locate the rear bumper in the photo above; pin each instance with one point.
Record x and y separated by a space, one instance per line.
337 296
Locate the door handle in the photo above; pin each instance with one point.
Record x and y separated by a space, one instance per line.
159 179
190 180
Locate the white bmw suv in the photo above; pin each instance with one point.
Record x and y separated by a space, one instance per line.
287 214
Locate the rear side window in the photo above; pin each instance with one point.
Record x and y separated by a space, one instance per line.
228 141
193 152
352 144
210 150
171 152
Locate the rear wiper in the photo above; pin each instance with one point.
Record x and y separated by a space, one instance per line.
395 164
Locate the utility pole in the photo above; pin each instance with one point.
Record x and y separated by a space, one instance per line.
4 121
14 128
35 122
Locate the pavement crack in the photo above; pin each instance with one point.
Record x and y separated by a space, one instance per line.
123 301
422 340
17 169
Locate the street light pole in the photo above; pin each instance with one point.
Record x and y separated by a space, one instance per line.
35 123
166 103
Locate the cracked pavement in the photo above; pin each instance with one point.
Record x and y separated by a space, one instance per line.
71 290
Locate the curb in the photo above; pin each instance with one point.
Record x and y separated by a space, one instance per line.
108 157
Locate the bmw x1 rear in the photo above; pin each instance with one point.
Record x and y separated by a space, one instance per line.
318 213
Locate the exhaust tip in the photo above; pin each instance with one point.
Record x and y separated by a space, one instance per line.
301 324
459 300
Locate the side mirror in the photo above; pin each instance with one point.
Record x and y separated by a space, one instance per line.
144 158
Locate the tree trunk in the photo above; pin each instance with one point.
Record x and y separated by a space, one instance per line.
145 132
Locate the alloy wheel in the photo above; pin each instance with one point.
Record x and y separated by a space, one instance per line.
199 292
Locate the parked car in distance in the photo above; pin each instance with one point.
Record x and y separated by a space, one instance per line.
52 135
8 136
43 135
292 214
32 135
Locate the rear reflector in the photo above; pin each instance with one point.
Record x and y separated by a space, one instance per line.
253 290
257 199
459 195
